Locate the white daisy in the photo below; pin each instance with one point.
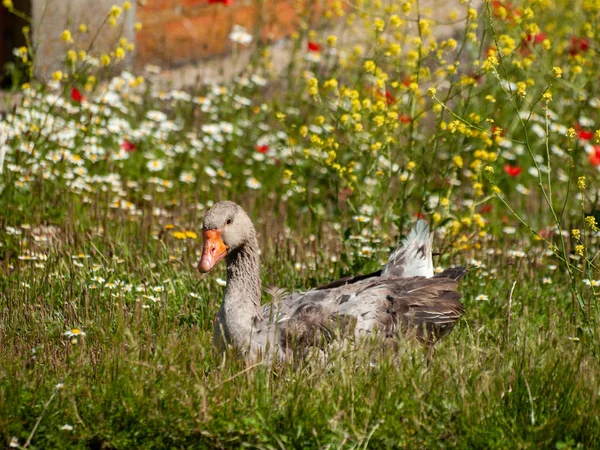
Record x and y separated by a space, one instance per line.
253 183
240 35
155 165
187 177
75 332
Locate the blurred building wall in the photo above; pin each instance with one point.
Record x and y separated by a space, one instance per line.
174 32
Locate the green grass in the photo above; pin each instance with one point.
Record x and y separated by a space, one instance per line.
148 377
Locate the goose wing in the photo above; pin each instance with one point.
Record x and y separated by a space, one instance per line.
425 307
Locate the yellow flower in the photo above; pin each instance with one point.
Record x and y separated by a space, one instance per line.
72 56
120 53
137 26
370 66
472 14
556 72
66 36
178 234
303 130
83 28
191 235
411 165
331 40
479 220
57 76
395 21
313 86
115 11
576 233
571 133
8 4
127 6
546 44
23 53
378 25
105 60
330 84
378 120
431 92
579 249
591 222
581 183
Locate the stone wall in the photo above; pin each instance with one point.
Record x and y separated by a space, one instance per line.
174 32
182 31
51 17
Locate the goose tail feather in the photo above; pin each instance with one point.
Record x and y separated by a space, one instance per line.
413 257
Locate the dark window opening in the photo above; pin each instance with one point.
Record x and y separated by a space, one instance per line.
12 70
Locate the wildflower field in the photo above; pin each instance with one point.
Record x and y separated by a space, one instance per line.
491 135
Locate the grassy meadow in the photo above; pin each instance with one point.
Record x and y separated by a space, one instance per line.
490 135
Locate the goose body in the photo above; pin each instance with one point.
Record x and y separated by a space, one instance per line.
404 298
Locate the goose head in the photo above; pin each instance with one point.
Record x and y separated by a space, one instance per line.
226 227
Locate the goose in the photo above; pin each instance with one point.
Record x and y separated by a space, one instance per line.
402 299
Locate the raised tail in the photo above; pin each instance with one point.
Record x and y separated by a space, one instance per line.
413 258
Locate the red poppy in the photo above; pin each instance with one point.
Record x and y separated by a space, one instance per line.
389 98
578 45
595 156
224 2
584 135
419 215
262 148
512 171
76 95
496 130
314 47
531 40
536 38
485 208
128 146
404 118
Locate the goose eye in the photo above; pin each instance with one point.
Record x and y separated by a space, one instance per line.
229 221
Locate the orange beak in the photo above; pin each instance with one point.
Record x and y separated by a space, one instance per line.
214 250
